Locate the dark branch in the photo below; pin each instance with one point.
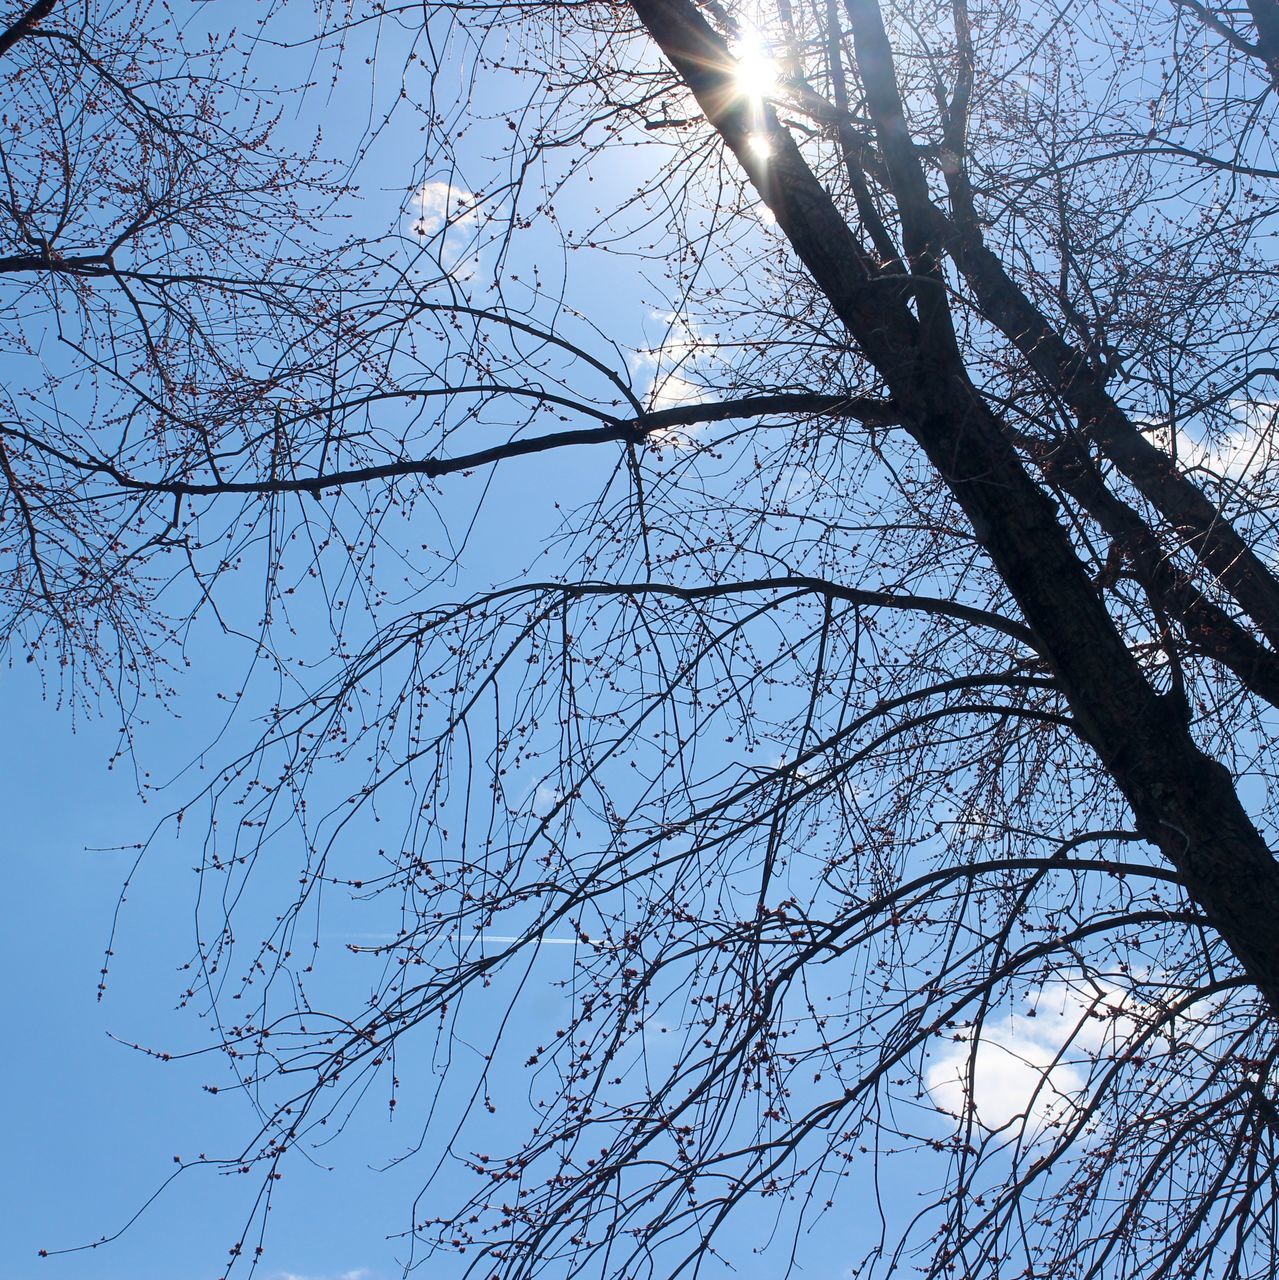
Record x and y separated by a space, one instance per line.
37 13
624 431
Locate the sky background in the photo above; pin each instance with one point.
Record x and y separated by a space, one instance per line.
94 1126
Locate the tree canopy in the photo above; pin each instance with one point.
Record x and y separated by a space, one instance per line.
882 720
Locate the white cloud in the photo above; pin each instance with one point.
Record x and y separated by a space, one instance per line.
544 800
1242 454
1012 1074
783 761
662 370
437 210
436 204
1035 1065
673 391
674 347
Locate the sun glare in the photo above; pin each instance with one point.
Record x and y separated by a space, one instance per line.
757 73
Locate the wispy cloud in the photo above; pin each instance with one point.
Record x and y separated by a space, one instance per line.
448 221
437 204
664 371
545 799
357 1273
1241 455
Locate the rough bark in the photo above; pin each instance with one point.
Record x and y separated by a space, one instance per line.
1265 17
13 33
1196 520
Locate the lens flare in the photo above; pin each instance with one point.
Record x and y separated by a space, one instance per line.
757 72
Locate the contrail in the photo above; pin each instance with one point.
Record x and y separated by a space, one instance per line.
474 937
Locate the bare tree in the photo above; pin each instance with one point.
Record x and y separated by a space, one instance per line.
171 303
890 741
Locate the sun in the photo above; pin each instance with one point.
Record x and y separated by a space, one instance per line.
757 73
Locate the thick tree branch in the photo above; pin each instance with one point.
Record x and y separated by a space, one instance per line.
1183 801
1208 534
1265 17
624 431
36 13
1220 26
1066 371
796 583
1209 629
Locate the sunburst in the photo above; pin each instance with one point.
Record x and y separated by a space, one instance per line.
757 72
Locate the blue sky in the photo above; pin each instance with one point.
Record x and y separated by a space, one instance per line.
92 1125
96 1125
